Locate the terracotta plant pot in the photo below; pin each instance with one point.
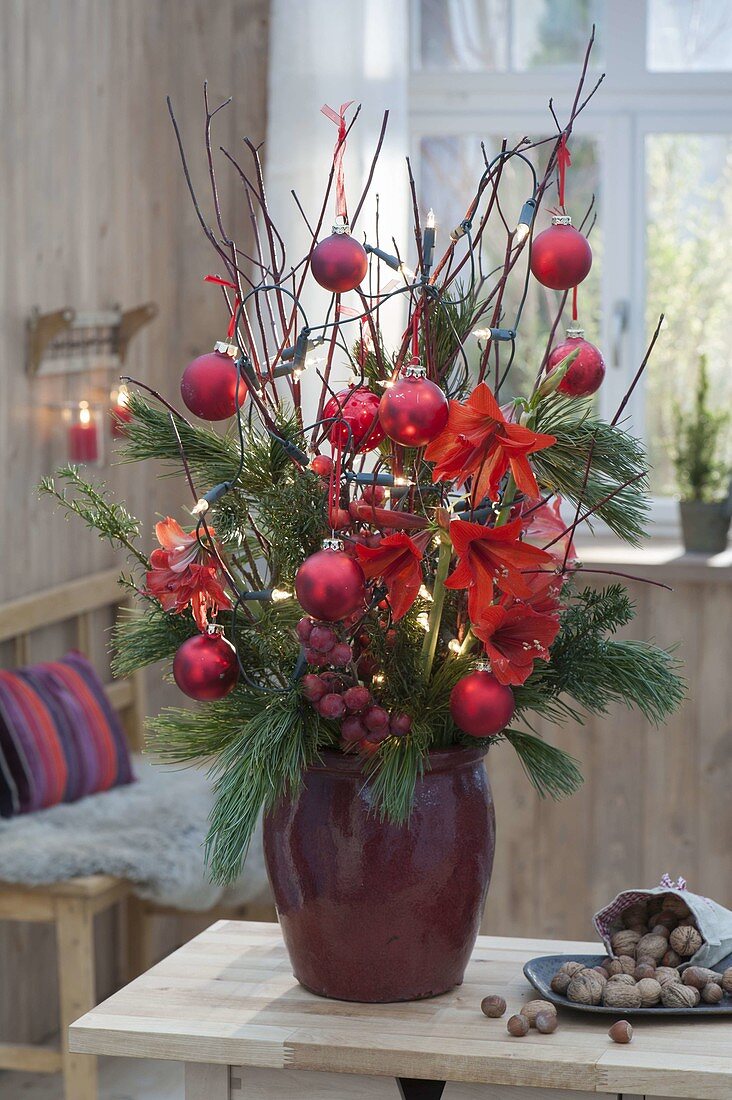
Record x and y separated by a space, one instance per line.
704 526
372 911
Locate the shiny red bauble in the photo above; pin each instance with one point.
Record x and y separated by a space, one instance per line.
208 386
585 374
355 413
413 411
561 257
339 263
205 667
330 585
480 706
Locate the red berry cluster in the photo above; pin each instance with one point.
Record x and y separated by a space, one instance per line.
363 721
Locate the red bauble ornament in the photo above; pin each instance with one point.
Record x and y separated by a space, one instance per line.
205 667
329 584
560 256
356 409
208 386
414 410
339 263
586 373
480 706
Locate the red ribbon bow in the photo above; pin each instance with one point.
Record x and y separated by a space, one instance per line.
339 118
237 301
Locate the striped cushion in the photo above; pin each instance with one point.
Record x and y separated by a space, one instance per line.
60 738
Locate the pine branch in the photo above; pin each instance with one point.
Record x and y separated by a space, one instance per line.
262 763
551 771
144 636
616 458
110 520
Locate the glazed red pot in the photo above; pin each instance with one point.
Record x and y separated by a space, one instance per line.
372 911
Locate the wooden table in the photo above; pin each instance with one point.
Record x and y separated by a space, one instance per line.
227 1005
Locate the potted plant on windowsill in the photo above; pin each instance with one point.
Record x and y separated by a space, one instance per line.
702 470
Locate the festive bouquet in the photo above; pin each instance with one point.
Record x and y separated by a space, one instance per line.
393 574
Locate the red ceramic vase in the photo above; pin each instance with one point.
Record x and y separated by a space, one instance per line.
376 912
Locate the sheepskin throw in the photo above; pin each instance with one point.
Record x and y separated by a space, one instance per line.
150 833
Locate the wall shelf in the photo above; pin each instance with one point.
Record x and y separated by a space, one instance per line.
69 341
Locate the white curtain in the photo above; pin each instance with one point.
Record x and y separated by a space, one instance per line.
330 51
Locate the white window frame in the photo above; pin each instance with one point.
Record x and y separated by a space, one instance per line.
632 103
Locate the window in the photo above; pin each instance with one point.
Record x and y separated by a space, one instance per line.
654 148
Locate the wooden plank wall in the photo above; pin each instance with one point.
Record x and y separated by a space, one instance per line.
653 800
94 211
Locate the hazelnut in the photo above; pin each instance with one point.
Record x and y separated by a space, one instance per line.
560 983
644 970
699 976
712 994
586 988
623 979
517 1026
493 1006
620 995
727 980
625 942
666 974
654 947
546 1022
621 1032
650 992
671 958
676 995
666 917
532 1008
685 940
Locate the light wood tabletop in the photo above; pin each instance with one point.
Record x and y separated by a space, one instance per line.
227 1004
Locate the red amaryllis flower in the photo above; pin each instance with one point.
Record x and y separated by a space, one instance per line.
514 637
492 556
185 574
543 523
397 561
545 590
479 442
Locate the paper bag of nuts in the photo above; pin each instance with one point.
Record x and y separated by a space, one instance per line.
667 925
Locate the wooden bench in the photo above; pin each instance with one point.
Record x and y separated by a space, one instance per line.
71 906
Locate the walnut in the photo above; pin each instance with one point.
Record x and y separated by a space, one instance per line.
712 994
685 940
620 995
699 976
676 995
644 970
571 968
727 980
671 958
614 966
666 974
661 930
635 914
654 947
625 942
628 964
623 979
601 971
532 1008
667 917
586 988
650 992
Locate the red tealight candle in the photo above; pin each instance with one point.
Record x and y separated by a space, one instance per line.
120 413
83 438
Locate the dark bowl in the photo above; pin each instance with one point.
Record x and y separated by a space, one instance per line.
541 970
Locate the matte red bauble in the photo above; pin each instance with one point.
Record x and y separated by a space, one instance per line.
560 256
586 373
205 667
208 386
359 408
330 586
339 263
414 410
480 706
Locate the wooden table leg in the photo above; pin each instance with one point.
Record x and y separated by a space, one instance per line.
75 945
203 1082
